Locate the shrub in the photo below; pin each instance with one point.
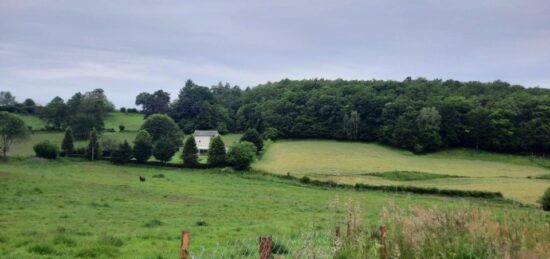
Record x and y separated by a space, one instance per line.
143 146
46 149
164 149
122 154
216 152
190 153
241 155
252 136
68 142
545 200
122 109
121 127
270 133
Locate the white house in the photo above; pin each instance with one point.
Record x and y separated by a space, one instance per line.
203 137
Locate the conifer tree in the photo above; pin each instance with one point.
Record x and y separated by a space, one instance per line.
216 152
68 142
190 153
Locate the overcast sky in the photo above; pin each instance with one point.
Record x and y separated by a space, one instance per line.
56 47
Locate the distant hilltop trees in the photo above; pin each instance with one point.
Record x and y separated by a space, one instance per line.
415 114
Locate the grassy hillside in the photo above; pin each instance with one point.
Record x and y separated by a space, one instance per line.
350 162
71 208
33 121
132 121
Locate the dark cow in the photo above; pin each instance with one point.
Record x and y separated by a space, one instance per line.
142 178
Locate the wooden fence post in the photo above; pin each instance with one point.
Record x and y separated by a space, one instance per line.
184 245
383 250
265 247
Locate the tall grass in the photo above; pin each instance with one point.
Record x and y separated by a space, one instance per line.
467 232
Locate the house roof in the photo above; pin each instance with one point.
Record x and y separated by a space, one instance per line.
205 133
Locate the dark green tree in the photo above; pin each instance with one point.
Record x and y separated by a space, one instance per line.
158 102
123 154
143 146
190 153
161 126
164 149
252 136
428 123
93 152
67 145
241 155
12 129
216 152
55 113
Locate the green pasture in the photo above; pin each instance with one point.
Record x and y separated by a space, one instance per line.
350 162
132 121
74 208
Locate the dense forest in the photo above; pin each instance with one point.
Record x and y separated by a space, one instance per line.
415 114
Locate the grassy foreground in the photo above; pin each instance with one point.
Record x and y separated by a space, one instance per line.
71 208
348 162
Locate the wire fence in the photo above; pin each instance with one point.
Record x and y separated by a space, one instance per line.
317 245
309 245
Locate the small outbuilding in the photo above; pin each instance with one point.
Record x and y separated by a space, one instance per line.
202 138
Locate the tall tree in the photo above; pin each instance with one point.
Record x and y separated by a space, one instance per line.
67 144
55 113
190 153
428 123
216 152
160 125
158 102
92 152
6 99
12 129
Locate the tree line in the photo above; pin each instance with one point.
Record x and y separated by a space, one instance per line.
415 114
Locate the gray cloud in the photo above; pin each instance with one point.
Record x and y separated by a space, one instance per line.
50 48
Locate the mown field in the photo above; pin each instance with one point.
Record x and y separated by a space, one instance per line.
349 162
65 209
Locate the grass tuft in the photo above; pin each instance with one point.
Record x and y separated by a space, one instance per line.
153 223
42 249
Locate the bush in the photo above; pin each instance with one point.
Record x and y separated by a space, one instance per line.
164 149
143 146
46 149
190 153
216 152
241 155
271 134
545 200
122 154
122 109
121 127
252 136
